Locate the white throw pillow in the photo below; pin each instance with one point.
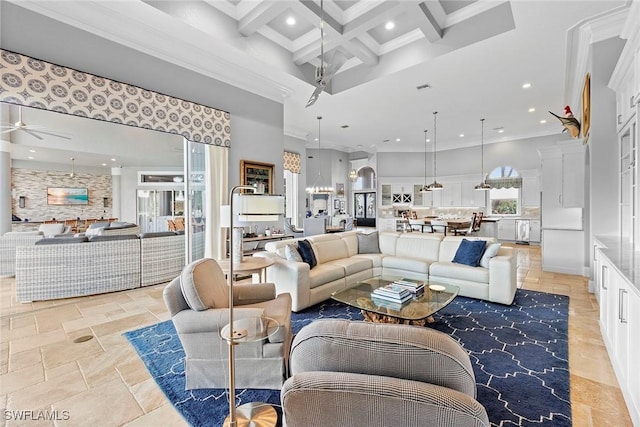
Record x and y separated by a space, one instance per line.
292 254
489 252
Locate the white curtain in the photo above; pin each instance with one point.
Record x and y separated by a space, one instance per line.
216 170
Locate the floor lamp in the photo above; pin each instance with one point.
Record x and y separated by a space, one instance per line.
247 207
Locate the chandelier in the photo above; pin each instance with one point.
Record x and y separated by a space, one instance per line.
483 186
435 185
315 189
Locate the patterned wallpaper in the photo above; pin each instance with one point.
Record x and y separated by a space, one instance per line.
31 82
33 184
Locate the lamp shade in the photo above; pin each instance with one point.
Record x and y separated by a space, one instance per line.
258 207
225 216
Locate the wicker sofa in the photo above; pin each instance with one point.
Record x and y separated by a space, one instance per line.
414 255
8 244
77 266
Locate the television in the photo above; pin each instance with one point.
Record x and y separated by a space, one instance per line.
67 196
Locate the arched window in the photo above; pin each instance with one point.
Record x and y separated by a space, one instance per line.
366 179
504 196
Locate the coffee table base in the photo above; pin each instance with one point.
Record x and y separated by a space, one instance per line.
381 318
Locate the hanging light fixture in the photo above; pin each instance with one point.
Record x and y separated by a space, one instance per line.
353 175
315 189
73 168
483 186
435 185
425 187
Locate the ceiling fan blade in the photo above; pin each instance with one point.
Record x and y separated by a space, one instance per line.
8 130
57 135
32 133
316 93
335 62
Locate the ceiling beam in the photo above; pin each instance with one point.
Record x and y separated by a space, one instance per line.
260 16
425 20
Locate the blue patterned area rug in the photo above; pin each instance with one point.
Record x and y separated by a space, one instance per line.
519 355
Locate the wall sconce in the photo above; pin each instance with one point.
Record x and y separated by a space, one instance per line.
353 175
22 201
105 202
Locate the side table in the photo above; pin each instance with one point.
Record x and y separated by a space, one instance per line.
249 265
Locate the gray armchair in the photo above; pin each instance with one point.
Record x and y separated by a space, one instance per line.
373 374
289 229
198 301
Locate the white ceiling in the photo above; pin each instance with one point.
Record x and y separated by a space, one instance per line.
474 55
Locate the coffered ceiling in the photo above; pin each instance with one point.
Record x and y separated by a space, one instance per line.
471 59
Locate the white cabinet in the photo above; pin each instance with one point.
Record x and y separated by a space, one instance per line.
507 229
530 192
534 230
563 175
471 197
386 224
619 323
451 194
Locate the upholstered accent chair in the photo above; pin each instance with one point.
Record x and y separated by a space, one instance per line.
289 229
198 301
373 374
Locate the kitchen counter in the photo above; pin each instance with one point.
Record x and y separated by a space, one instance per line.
624 258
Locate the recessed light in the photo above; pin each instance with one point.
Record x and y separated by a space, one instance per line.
390 25
30 157
316 139
543 121
397 139
32 151
501 131
531 110
462 135
526 86
428 140
113 160
291 20
104 164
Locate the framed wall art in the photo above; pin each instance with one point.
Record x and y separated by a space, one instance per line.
257 173
586 107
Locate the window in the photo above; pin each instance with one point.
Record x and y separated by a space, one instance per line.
291 196
504 196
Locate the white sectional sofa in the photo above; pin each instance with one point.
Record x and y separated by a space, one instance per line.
413 255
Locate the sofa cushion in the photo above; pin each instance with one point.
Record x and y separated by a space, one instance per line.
388 243
329 249
418 245
199 282
376 259
408 264
61 240
368 243
325 273
306 252
469 252
50 230
109 238
490 251
459 272
292 254
353 265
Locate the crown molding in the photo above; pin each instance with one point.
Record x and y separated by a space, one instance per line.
630 32
579 40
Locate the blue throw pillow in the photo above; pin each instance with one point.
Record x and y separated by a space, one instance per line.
306 252
470 252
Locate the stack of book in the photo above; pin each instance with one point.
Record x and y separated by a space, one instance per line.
416 287
391 296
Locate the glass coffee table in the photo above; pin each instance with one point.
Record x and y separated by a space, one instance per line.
417 311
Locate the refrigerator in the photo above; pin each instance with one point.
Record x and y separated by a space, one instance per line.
364 209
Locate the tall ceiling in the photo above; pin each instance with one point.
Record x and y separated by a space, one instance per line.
472 59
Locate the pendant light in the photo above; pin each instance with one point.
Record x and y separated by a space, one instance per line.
483 186
73 168
315 189
425 187
435 185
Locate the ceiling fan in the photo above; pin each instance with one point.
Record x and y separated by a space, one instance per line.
325 73
32 130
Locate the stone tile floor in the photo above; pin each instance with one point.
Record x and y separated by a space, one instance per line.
102 381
